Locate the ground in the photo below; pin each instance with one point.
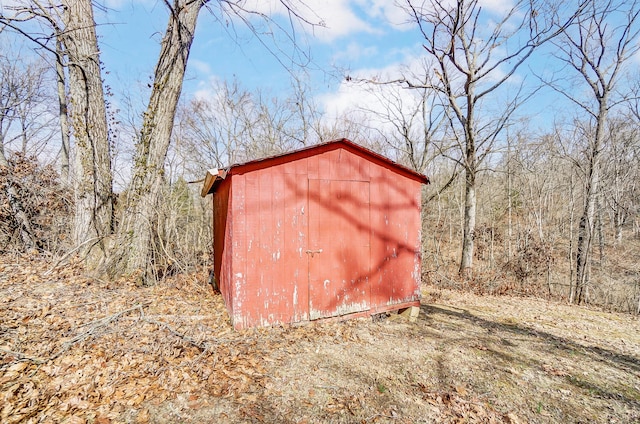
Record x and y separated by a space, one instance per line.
75 349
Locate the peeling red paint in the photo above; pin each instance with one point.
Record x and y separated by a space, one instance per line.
331 230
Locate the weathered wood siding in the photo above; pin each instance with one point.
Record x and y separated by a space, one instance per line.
323 233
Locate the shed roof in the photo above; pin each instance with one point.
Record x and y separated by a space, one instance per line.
215 176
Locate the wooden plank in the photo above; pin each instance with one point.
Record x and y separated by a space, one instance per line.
404 239
313 167
334 165
239 243
364 169
282 307
300 166
264 284
411 313
294 261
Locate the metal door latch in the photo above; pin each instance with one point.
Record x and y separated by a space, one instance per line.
313 252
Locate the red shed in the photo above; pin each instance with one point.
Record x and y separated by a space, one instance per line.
329 230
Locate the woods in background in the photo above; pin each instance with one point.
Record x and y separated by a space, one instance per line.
512 208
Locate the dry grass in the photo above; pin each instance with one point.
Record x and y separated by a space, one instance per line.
78 350
614 281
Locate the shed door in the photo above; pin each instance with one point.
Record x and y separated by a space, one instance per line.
339 247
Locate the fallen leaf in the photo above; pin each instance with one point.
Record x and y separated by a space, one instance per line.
511 418
143 417
74 419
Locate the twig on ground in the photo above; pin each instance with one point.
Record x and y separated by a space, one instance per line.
22 356
380 416
66 345
106 320
71 252
190 340
95 325
327 387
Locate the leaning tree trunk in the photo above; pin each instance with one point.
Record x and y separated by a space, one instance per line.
92 177
137 234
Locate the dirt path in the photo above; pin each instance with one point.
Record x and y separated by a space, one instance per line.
76 350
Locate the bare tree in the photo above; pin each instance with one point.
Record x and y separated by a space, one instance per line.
236 125
92 176
410 124
26 122
27 18
621 173
596 47
63 112
134 245
474 54
136 249
68 29
215 127
20 93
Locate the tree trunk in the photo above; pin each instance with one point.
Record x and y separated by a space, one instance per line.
466 261
138 228
63 116
618 222
572 292
585 234
600 229
471 164
92 177
587 220
509 200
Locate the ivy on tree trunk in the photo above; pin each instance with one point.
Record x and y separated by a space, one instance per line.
92 177
137 235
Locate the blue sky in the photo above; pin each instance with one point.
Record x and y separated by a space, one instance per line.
131 30
362 38
365 37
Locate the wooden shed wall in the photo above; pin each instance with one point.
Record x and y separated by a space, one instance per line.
268 273
396 229
222 241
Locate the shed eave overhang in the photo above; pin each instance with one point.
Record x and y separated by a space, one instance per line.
211 180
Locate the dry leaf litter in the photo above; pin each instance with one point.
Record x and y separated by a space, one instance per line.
75 349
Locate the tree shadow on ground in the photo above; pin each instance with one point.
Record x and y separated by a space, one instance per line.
552 343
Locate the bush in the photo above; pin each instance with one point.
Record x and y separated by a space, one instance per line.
37 191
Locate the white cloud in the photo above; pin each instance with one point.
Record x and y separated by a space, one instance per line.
497 6
355 96
333 18
346 17
200 66
355 51
208 89
384 9
339 19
